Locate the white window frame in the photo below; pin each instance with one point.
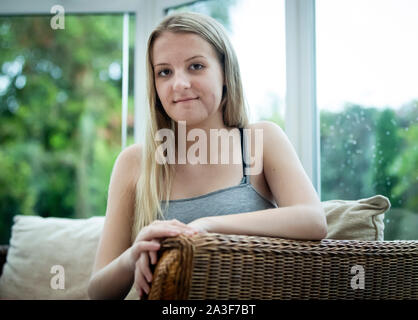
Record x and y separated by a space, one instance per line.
302 118
302 115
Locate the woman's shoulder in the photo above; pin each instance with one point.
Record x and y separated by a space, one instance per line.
268 130
133 152
128 162
270 137
264 124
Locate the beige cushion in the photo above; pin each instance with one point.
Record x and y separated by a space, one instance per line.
37 244
356 219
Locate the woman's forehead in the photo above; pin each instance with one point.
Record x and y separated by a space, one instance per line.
182 45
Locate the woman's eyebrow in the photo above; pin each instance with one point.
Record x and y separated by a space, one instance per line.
197 56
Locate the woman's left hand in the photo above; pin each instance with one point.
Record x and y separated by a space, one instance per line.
202 225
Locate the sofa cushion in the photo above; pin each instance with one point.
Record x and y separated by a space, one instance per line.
356 219
38 244
39 247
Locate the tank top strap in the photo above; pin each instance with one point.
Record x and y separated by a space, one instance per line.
244 155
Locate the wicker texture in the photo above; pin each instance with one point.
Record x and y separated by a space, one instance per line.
218 266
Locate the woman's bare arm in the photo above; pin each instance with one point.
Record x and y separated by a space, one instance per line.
300 215
112 278
117 264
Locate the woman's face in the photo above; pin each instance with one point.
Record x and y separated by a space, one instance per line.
187 67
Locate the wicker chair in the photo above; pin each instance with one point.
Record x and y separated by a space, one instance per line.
218 266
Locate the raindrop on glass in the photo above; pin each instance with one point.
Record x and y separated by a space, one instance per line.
20 81
115 71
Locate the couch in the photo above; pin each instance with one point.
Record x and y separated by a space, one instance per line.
52 258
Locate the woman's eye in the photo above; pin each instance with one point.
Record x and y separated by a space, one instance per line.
199 66
165 72
162 71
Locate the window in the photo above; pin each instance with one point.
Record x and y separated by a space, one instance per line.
256 29
368 100
60 114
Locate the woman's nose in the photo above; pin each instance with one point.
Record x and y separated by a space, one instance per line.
180 81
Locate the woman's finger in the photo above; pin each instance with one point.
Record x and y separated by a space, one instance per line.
153 254
182 225
158 231
177 223
173 222
144 267
143 246
138 281
153 257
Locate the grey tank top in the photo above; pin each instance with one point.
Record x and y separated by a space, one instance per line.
237 199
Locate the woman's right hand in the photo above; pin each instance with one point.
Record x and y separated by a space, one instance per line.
146 245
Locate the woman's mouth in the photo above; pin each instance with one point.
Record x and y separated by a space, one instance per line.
185 99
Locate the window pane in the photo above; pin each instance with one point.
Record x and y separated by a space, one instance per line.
257 32
60 114
368 100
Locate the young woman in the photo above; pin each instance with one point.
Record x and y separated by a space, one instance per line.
194 86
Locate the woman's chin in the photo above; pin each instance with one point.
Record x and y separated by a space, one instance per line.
190 120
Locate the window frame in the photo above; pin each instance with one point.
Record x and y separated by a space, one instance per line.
302 114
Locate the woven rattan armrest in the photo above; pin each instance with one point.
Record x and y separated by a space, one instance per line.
218 266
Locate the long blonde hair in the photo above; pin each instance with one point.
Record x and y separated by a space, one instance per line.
154 183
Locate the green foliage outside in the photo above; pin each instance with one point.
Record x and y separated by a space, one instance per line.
60 115
366 151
